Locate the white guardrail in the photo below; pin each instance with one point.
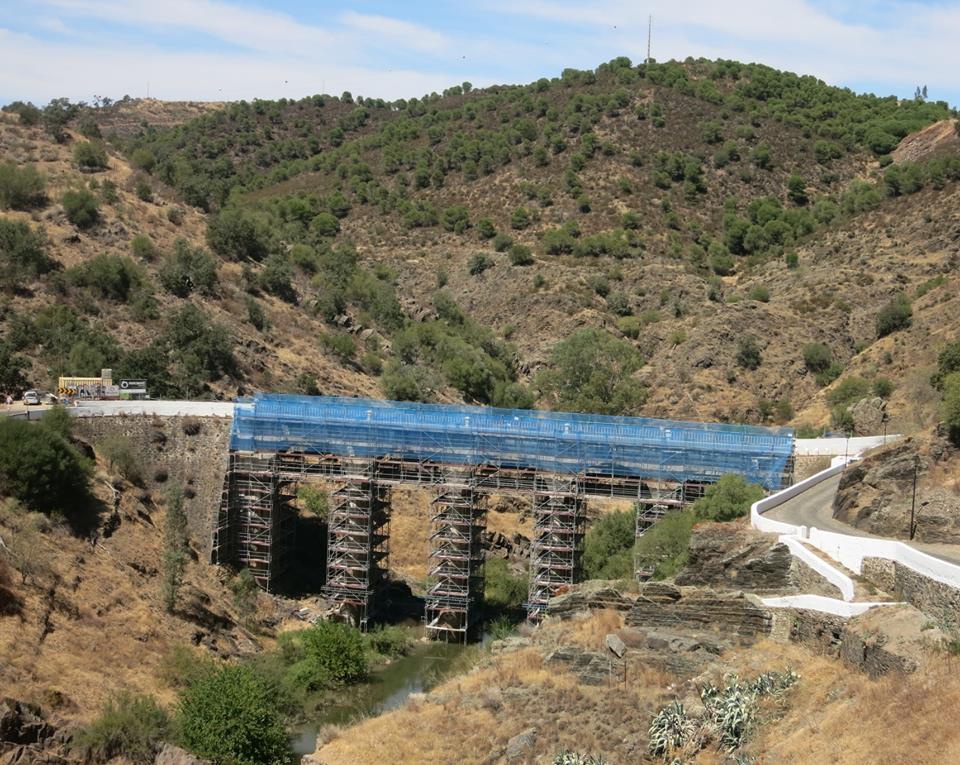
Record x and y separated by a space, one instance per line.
847 549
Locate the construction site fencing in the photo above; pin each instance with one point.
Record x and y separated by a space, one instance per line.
555 442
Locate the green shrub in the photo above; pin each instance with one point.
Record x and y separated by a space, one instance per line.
503 589
849 391
23 254
486 229
325 224
112 277
231 717
520 218
189 269
630 326
894 316
41 469
314 500
327 654
882 387
817 357
749 355
239 235
608 546
90 155
759 293
132 726
202 349
728 498
389 640
591 371
142 247
81 207
276 277
342 345
404 382
502 242
950 408
21 188
663 548
121 458
521 255
480 263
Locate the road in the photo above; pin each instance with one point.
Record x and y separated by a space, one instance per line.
815 508
114 408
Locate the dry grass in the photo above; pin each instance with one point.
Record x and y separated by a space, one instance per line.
409 532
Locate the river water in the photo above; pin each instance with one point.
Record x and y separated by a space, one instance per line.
389 686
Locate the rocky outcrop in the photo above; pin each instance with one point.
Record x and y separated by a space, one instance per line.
174 755
728 555
868 415
594 594
497 545
590 667
876 494
27 738
730 613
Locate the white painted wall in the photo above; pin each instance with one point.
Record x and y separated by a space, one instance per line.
838 447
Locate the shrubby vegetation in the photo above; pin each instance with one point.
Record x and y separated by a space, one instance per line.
608 546
129 725
21 188
23 254
503 589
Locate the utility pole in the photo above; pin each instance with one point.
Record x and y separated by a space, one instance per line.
913 502
649 34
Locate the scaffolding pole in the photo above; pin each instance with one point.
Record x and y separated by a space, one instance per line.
559 514
255 524
357 547
455 581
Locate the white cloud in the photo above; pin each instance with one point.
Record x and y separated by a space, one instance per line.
412 36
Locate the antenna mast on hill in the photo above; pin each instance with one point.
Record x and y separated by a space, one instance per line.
649 33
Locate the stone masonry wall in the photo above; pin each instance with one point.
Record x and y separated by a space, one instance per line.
937 600
191 451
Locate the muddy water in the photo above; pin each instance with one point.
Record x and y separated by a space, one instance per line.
387 689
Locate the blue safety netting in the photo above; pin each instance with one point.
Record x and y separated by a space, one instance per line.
557 442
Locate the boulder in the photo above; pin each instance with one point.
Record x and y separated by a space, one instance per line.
174 755
22 723
521 745
868 416
616 645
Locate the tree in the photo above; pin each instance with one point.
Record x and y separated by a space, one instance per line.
239 235
797 190
231 716
329 653
591 371
608 546
276 277
23 254
81 207
245 590
12 379
56 115
175 548
41 469
325 224
817 357
894 316
728 498
112 277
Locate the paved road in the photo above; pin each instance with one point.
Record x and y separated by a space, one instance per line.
114 408
815 508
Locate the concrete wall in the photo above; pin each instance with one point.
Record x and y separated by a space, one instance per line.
192 451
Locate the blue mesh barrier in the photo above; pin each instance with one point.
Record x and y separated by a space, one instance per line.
558 442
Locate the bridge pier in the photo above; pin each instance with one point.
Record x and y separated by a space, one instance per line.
255 525
559 515
455 581
357 547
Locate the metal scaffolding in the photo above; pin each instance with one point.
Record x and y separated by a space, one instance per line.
455 580
357 547
559 514
656 500
255 524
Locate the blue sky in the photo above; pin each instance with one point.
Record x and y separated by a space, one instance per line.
230 49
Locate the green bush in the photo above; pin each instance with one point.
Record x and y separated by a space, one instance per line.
314 500
480 263
948 361
486 229
276 277
519 218
759 293
502 588
81 207
404 382
131 726
882 387
849 391
749 355
112 277
41 469
521 255
121 459
23 254
342 345
327 654
231 718
591 371
608 546
950 409
663 548
728 498
325 224
12 378
142 247
21 188
189 269
201 349
90 155
502 242
239 235
817 357
894 316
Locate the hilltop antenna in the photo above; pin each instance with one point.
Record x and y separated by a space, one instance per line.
649 34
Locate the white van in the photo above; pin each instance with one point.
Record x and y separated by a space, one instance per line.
31 398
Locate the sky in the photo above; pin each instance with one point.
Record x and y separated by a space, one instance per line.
214 50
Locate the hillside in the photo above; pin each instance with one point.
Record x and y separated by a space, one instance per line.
585 242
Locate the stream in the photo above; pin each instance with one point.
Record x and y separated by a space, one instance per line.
389 686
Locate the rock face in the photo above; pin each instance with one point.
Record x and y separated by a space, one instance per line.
22 723
521 745
876 494
725 555
590 667
589 595
728 614
868 416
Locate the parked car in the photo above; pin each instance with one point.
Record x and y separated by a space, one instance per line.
31 398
